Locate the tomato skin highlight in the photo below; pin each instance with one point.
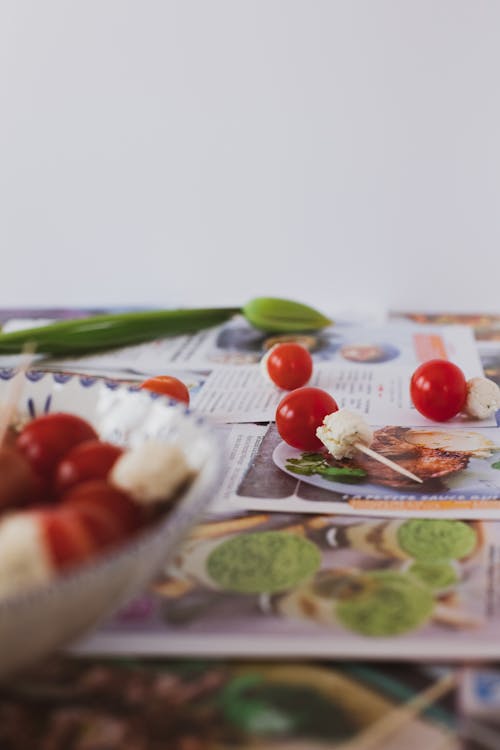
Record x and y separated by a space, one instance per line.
289 365
92 459
438 389
46 439
167 385
300 413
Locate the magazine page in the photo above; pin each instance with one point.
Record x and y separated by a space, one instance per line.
460 468
237 342
242 394
485 326
290 585
366 368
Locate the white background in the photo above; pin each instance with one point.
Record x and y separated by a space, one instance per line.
346 154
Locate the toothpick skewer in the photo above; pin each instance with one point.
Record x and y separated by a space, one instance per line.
16 387
383 460
377 734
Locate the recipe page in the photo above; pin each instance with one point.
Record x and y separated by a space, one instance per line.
281 584
460 467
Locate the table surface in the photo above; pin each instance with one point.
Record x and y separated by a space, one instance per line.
187 704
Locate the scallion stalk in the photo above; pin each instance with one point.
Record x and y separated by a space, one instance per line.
101 332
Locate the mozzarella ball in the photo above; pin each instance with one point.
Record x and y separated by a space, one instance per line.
151 472
483 398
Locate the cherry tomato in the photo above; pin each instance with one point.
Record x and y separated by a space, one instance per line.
288 365
300 413
19 484
168 386
438 389
98 497
68 541
45 440
92 459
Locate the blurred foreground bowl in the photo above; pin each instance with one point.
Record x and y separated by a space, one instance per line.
36 622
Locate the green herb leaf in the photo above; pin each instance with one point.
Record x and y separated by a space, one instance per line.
305 470
99 332
316 463
300 462
338 472
496 465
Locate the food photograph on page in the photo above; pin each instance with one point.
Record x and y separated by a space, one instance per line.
460 470
307 584
344 342
239 343
458 464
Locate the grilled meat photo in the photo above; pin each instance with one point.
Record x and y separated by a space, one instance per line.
430 464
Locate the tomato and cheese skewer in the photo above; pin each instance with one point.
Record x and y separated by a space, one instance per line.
438 389
36 545
344 432
58 458
341 432
300 413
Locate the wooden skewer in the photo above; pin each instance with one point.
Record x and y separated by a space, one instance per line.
383 460
398 718
14 394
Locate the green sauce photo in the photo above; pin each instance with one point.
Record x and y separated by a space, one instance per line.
433 539
436 575
392 603
263 562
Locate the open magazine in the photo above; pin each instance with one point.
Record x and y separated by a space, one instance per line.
289 562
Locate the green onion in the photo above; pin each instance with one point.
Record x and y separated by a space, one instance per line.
281 316
101 332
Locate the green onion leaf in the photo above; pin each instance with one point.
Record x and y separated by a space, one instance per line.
101 332
281 316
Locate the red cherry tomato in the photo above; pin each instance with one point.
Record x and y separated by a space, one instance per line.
168 386
438 389
45 440
300 413
289 365
92 459
19 484
98 497
68 541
